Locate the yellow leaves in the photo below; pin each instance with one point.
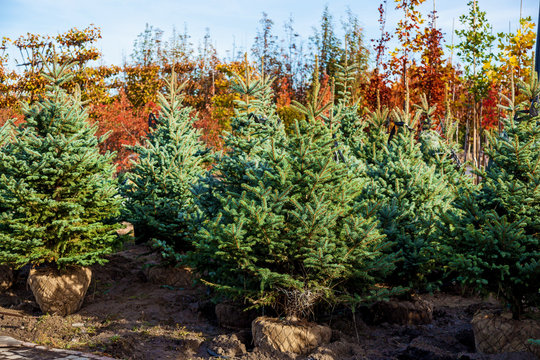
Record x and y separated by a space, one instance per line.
513 61
516 49
486 65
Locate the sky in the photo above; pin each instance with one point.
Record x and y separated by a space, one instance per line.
229 21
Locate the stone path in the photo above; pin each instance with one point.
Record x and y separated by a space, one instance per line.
11 349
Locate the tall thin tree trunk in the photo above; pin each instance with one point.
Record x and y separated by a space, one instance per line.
475 134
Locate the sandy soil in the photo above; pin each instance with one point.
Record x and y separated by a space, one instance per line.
126 316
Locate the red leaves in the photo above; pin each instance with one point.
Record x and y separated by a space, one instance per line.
490 112
126 124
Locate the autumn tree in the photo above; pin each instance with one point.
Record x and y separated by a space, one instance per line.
142 75
376 91
8 97
208 88
515 57
431 75
402 57
125 126
474 50
73 45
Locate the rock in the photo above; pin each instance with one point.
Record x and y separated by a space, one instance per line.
170 276
228 346
6 341
192 343
288 336
499 334
6 277
59 292
233 316
402 312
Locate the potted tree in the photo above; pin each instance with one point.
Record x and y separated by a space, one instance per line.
57 194
493 242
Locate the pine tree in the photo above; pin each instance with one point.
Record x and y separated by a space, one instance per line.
285 230
57 193
158 188
254 123
493 242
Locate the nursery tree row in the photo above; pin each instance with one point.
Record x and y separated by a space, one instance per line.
331 208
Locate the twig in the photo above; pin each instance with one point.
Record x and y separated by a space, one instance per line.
10 314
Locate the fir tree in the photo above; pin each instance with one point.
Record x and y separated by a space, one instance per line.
493 241
158 188
285 230
57 193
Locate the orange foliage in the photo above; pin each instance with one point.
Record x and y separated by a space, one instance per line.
10 114
127 126
285 92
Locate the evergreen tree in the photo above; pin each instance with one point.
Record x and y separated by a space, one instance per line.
158 188
254 124
57 193
440 150
285 231
493 241
147 48
265 49
327 46
355 55
410 194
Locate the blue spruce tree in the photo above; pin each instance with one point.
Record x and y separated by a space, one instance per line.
493 241
158 187
58 198
284 229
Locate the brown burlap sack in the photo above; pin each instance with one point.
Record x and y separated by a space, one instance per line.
59 292
288 336
6 277
495 334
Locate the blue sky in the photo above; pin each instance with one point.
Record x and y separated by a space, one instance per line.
228 21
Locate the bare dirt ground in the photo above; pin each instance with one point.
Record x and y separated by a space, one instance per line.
126 316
